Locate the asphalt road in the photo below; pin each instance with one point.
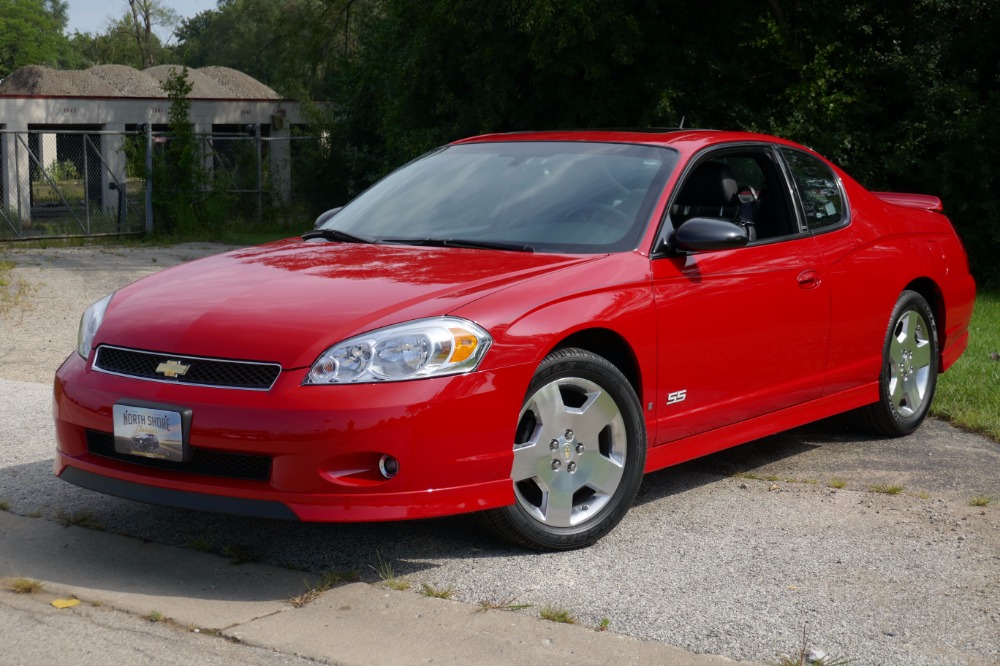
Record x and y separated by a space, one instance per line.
734 554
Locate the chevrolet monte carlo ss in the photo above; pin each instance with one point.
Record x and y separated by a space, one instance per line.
519 325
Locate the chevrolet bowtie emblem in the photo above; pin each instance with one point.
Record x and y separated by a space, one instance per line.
172 368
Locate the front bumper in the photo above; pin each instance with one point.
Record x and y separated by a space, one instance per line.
452 437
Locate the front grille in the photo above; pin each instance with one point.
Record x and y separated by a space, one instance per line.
207 462
220 373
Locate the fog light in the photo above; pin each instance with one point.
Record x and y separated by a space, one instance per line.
388 466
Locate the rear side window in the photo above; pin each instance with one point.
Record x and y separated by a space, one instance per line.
818 189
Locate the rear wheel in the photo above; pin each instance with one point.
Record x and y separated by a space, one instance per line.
579 454
909 369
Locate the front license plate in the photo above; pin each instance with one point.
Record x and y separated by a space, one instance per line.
150 433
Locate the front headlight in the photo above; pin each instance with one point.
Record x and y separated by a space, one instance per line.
422 348
89 323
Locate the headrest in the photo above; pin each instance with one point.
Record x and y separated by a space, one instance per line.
711 184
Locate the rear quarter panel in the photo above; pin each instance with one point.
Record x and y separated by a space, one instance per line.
885 250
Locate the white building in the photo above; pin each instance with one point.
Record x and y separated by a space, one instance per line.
103 104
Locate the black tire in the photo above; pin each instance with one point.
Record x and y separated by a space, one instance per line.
579 454
909 370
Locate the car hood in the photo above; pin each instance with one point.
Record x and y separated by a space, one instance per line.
288 301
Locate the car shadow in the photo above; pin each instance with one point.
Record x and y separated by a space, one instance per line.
365 551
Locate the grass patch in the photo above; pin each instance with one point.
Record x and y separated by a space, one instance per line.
13 291
886 489
202 545
429 590
837 483
962 395
25 586
388 575
501 603
556 614
155 616
603 625
980 501
4 505
80 519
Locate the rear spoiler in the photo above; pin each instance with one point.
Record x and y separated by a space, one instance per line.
922 201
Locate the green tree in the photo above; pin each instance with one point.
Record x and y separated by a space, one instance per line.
142 16
31 34
295 46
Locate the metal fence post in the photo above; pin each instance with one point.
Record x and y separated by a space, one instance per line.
149 177
260 174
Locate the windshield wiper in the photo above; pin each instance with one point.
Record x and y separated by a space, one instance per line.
336 235
463 243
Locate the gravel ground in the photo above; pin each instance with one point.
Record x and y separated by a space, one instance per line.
733 554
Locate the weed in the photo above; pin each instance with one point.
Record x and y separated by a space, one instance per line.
981 500
200 544
837 483
501 603
25 586
237 554
329 579
924 495
556 614
155 616
885 489
438 592
806 656
4 505
80 519
388 576
603 624
37 513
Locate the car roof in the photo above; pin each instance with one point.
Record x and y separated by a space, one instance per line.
686 141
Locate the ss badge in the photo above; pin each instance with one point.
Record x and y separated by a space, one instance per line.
676 396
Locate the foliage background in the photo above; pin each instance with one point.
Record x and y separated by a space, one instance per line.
902 94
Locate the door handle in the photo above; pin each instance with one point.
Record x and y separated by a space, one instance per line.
809 279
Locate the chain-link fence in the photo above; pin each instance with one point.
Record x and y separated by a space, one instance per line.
85 183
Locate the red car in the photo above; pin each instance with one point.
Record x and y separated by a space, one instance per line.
521 325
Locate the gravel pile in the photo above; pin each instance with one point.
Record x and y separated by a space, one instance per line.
124 81
242 85
38 80
127 81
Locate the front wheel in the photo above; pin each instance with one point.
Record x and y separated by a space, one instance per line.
909 369
579 454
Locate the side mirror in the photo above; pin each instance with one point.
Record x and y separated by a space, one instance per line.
709 233
321 220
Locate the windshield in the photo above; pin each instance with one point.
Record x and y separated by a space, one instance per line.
570 197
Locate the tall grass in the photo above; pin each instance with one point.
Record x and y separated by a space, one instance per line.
969 393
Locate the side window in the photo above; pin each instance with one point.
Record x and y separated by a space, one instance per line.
743 186
818 189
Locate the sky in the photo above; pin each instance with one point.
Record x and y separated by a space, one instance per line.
92 15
